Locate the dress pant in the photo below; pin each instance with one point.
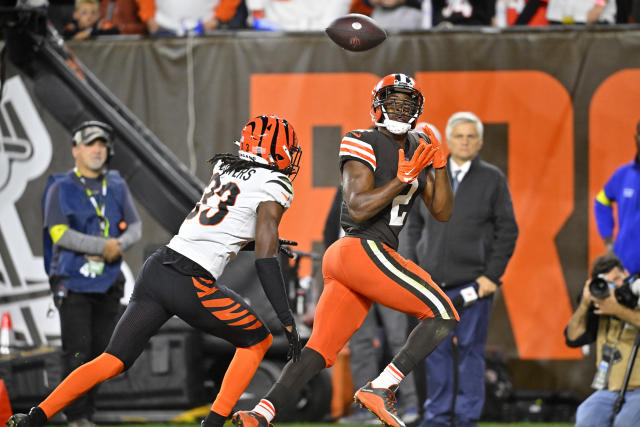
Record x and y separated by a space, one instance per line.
471 335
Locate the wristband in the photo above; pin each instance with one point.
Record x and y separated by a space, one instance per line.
600 3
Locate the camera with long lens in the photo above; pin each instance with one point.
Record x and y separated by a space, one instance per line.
600 287
627 295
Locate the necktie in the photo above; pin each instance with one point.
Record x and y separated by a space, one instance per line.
455 182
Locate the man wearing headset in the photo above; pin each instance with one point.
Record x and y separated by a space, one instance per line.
89 220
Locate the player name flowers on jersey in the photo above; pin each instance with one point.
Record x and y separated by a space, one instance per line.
353 147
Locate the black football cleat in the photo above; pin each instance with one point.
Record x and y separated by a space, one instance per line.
381 402
36 418
250 419
18 420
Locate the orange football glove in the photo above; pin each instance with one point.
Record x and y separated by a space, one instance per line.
439 159
408 170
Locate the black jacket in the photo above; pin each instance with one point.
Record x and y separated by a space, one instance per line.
480 237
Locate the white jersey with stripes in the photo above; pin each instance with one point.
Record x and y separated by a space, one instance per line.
224 220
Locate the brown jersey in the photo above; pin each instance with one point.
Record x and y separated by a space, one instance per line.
379 153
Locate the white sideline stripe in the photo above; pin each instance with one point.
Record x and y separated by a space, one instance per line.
409 280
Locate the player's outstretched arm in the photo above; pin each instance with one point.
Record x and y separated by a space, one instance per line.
269 273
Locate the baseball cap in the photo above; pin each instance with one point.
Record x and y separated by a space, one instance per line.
89 133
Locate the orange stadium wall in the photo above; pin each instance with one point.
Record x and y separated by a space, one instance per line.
560 109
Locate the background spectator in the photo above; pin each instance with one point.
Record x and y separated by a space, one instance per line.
397 14
124 15
295 15
581 11
168 17
623 188
87 23
90 219
463 12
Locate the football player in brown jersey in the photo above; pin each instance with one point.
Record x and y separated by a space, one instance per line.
384 170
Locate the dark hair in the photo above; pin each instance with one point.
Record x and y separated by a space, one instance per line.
604 264
233 163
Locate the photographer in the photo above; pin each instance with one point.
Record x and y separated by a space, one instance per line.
613 327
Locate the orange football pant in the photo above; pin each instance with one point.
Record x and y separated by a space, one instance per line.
358 272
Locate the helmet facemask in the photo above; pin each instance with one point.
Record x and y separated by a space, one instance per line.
295 154
398 114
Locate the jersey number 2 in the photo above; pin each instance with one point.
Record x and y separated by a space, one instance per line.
400 204
215 189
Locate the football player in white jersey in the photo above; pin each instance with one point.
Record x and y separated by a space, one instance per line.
240 208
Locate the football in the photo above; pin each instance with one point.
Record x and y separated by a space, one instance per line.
356 32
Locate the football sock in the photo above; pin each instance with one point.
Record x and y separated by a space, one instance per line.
239 374
36 417
80 381
266 409
424 338
390 377
294 376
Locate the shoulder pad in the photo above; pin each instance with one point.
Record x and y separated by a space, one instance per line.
356 145
280 188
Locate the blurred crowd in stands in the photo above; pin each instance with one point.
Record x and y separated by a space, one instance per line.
81 19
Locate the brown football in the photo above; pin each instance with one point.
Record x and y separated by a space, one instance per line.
356 32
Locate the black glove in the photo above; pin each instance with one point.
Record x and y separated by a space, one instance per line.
294 343
285 249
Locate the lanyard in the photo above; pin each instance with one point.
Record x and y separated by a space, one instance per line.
606 337
100 209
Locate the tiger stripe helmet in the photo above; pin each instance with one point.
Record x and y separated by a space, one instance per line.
380 100
271 141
